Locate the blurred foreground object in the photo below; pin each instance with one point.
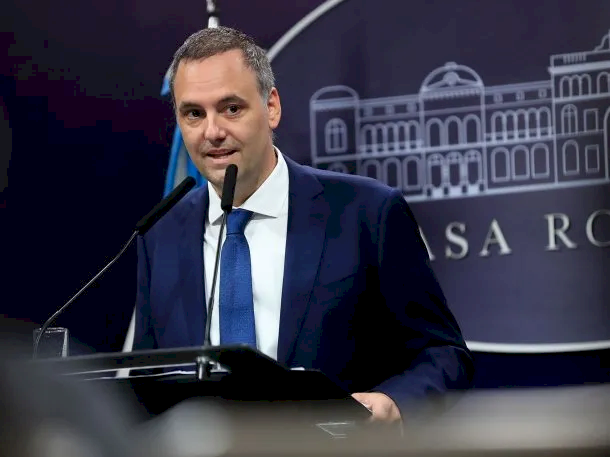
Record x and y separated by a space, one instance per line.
43 414
546 421
540 422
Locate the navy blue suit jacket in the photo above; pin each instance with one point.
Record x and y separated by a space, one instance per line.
359 299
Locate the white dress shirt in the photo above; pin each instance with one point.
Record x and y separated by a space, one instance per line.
266 235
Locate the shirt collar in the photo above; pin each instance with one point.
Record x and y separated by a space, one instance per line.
268 200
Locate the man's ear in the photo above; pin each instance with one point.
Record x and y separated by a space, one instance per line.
274 108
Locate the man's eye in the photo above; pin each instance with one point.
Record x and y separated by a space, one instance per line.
233 109
193 114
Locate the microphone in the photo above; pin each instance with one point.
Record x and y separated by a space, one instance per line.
142 227
228 189
226 204
161 208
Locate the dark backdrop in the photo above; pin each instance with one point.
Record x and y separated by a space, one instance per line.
87 136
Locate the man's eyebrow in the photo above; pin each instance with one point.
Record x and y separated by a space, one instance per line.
185 105
189 105
231 99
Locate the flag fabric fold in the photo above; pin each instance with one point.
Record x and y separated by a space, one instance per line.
180 164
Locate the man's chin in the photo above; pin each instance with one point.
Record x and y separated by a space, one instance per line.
216 177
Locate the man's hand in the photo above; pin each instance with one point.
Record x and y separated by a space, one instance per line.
383 407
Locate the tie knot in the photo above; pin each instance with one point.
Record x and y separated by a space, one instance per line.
237 220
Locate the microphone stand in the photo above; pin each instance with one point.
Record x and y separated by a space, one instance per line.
226 204
142 227
49 321
204 367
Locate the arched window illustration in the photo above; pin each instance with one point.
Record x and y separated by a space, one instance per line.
382 138
372 169
584 85
456 172
574 86
338 167
565 86
414 133
391 143
544 121
472 126
368 138
453 127
500 169
522 124
520 163
474 166
498 126
410 174
508 125
511 125
533 123
540 161
603 83
574 90
392 173
571 165
435 172
335 135
569 119
402 136
436 135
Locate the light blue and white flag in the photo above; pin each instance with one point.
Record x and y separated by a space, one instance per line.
180 164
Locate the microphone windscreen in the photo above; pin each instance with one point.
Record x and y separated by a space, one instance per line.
228 188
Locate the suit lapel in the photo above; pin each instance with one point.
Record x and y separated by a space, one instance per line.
191 266
307 217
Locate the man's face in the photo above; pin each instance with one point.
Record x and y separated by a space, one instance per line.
224 120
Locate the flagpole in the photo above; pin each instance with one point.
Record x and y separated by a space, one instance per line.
213 20
191 169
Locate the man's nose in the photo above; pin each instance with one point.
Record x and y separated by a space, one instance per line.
214 130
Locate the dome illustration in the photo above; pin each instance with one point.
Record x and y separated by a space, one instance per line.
335 92
451 76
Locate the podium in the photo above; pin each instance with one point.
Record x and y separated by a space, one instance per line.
244 382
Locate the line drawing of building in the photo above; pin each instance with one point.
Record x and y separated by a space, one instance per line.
457 138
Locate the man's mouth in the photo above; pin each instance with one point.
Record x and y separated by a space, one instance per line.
220 153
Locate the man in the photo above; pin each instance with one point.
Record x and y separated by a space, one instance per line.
336 275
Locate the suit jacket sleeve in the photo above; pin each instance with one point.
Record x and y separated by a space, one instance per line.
436 358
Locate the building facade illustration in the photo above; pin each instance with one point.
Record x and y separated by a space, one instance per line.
459 138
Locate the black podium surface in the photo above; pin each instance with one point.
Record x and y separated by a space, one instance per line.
245 380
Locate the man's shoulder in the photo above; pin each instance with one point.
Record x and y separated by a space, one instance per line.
351 186
193 197
175 217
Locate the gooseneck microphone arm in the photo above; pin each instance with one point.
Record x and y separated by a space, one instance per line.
208 319
226 204
51 319
142 227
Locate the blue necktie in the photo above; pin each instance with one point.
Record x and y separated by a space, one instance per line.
236 305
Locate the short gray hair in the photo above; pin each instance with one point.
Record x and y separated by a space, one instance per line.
212 41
